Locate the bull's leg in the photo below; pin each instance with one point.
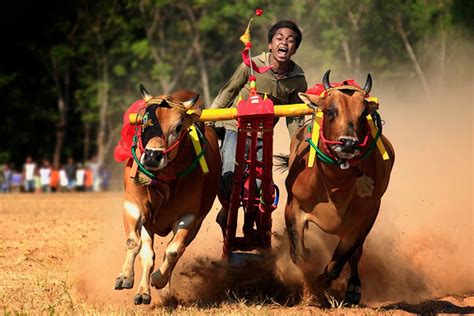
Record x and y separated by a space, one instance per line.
132 224
344 250
184 231
147 258
295 225
353 291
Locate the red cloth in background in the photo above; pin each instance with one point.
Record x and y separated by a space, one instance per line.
319 87
123 149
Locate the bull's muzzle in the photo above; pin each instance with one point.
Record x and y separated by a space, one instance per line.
153 158
348 147
349 144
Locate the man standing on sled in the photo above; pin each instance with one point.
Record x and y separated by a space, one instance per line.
281 84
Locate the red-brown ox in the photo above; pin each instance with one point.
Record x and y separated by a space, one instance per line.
330 195
171 202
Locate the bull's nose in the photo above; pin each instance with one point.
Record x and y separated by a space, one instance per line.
153 157
349 144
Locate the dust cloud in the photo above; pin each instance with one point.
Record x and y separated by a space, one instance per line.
420 247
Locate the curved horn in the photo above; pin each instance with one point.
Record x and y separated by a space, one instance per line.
368 84
146 95
326 83
189 103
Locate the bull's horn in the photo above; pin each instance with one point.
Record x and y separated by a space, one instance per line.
146 96
189 103
326 83
368 84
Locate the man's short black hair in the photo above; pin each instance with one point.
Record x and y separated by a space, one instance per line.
286 24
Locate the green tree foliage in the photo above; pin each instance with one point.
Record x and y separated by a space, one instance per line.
94 54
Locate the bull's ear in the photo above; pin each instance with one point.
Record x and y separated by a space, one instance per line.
193 107
146 96
371 106
311 100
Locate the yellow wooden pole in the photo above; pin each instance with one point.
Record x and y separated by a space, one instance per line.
231 113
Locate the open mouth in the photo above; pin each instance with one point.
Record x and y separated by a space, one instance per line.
343 153
283 52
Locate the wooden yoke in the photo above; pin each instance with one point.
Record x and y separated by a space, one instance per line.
279 110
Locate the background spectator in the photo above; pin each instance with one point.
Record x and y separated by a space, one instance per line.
29 169
54 184
63 182
89 182
94 167
5 178
37 181
45 176
105 175
17 181
80 177
7 174
70 169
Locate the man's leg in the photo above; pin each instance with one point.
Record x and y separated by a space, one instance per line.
229 147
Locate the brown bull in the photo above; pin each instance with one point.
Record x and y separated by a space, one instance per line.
331 193
179 196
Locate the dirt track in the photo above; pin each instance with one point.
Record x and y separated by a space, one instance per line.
62 252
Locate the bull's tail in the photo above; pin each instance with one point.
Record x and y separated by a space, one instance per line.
281 162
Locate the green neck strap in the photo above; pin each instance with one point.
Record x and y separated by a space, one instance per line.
183 173
330 161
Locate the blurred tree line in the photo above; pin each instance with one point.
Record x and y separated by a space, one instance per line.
69 69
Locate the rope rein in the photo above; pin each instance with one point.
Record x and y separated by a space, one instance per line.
183 173
329 158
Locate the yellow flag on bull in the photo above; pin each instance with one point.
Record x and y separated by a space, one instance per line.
245 38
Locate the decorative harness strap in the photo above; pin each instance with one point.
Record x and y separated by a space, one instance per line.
330 159
317 134
197 138
200 149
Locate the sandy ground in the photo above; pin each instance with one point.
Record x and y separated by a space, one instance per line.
62 252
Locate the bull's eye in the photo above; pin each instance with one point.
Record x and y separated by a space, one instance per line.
179 128
331 111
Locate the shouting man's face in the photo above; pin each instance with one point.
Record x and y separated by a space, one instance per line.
283 45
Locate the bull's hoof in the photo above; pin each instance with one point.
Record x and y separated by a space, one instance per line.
159 280
123 283
146 299
142 299
353 292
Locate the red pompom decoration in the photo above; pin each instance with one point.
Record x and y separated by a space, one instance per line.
248 45
258 12
253 78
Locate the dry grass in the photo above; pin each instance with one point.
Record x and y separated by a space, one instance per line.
47 240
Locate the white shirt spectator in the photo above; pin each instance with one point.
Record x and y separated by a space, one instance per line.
30 171
62 178
80 176
45 175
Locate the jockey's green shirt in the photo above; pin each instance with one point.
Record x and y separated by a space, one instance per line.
283 90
